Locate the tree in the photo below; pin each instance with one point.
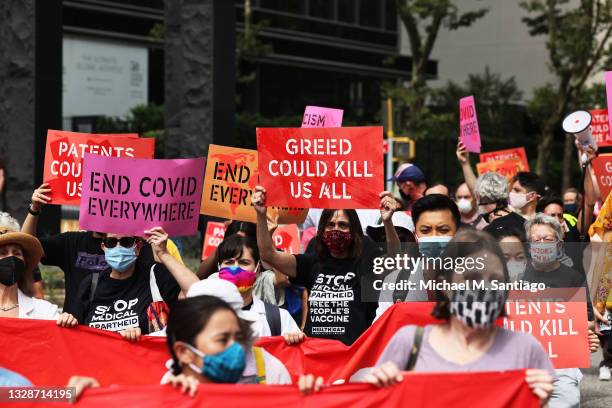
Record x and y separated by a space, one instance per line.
578 44
423 20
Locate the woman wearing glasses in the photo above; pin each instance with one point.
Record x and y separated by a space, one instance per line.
131 296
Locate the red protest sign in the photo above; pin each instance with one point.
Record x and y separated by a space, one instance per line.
215 231
287 238
507 154
64 158
602 166
560 327
600 127
321 167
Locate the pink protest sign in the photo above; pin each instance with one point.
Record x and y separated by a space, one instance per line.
316 116
609 96
128 196
468 124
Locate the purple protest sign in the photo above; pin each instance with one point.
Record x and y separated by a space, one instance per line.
316 116
128 196
468 124
609 96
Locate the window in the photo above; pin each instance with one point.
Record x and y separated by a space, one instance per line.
322 8
370 13
288 6
347 10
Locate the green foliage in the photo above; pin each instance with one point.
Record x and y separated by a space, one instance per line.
158 31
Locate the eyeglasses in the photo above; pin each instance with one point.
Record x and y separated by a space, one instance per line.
126 242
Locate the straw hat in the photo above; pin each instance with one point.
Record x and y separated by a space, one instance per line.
32 249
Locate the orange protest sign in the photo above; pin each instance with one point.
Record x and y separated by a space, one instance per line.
507 154
287 238
231 177
602 166
560 326
215 231
507 167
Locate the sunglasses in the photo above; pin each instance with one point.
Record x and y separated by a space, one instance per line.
126 242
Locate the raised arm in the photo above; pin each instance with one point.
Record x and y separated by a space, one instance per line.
40 197
589 189
158 239
463 156
282 261
208 266
388 205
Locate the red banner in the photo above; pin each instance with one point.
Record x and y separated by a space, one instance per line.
507 154
321 167
287 238
215 231
500 389
600 127
64 158
602 166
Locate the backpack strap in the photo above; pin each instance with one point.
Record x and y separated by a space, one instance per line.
274 319
155 294
260 365
95 277
416 348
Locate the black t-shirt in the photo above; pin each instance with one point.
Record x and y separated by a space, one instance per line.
562 277
335 287
119 304
512 220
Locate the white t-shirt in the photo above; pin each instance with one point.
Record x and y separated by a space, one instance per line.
34 308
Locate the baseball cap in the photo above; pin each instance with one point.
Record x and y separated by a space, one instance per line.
408 172
224 290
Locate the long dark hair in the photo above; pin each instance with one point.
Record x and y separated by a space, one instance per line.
355 230
467 242
188 317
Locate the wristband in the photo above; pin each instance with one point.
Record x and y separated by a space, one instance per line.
31 211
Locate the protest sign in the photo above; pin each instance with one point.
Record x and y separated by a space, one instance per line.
468 125
560 327
507 154
507 168
231 177
64 158
287 238
600 127
215 231
602 166
608 79
128 196
321 167
316 116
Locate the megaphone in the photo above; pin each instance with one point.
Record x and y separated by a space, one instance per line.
578 124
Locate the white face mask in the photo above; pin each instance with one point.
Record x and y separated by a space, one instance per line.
543 253
518 200
465 206
516 270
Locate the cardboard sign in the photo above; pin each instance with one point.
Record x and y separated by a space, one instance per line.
600 127
507 168
602 166
608 78
215 231
128 196
64 158
316 116
506 154
231 177
561 328
469 133
321 167
287 238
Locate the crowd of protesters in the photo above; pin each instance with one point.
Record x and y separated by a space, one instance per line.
248 289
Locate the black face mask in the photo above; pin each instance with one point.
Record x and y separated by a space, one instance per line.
570 208
11 270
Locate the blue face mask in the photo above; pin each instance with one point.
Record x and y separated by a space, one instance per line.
120 258
432 247
224 367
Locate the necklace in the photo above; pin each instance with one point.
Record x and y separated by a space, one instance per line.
6 309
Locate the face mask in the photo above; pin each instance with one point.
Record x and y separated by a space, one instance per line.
543 253
477 308
337 241
120 258
432 247
11 269
243 279
465 206
518 200
516 270
570 208
224 367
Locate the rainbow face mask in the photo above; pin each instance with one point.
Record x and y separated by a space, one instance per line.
244 280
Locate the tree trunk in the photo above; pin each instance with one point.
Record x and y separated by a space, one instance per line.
544 149
568 159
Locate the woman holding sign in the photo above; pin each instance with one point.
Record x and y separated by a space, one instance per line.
337 274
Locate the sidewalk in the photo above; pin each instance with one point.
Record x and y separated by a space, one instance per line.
595 393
